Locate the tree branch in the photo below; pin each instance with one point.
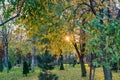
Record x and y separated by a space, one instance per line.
92 8
9 19
20 5
76 48
118 14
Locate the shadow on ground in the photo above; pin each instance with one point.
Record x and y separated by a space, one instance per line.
47 76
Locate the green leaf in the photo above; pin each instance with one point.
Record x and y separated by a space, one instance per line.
59 9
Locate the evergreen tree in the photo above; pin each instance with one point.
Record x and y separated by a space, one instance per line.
45 61
25 68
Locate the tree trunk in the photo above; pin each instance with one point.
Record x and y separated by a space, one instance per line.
118 65
81 57
6 56
33 60
90 75
5 43
1 55
32 63
83 69
93 75
61 66
107 73
1 65
92 67
61 60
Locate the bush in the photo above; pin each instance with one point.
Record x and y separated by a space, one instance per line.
47 76
45 61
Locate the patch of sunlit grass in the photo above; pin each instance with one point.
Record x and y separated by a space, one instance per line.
70 73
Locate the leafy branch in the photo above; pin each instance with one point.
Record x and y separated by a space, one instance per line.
19 7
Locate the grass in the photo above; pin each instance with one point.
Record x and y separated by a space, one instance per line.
69 73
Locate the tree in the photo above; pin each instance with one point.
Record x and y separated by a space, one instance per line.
45 18
105 13
6 14
1 58
38 16
95 8
61 61
45 62
5 42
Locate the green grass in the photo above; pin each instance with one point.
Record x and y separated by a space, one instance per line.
69 73
16 74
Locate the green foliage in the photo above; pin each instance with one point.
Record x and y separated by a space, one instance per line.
47 76
59 9
103 40
12 57
45 61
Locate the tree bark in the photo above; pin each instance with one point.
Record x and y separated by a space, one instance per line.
33 60
91 66
107 73
93 75
5 43
90 75
1 65
83 69
61 60
1 55
81 57
6 57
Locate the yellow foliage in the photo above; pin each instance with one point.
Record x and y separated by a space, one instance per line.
33 13
42 19
99 7
90 16
25 21
106 21
35 28
30 17
55 1
49 23
79 1
30 33
87 66
54 51
93 31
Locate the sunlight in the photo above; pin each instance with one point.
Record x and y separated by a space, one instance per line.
67 38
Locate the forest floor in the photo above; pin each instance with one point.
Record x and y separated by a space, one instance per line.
70 73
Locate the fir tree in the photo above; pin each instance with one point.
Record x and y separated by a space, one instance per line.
25 68
45 61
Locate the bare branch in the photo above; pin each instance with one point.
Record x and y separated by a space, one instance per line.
76 48
9 19
20 5
92 8
67 8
